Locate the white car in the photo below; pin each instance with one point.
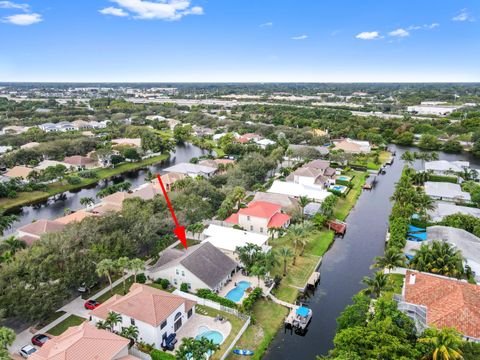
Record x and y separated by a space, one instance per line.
27 350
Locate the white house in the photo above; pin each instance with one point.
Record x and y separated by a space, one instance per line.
443 209
314 192
200 267
192 170
439 110
446 191
446 168
227 239
155 313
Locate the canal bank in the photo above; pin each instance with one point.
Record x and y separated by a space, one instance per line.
55 206
346 263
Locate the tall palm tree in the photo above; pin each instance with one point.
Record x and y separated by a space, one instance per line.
6 222
303 201
87 201
376 284
392 259
122 265
446 344
247 254
130 333
102 325
13 244
136 265
285 253
107 267
408 157
112 320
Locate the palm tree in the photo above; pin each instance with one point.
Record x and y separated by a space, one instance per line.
112 320
6 222
408 157
259 271
130 333
303 201
87 201
376 284
438 258
136 265
285 253
200 349
390 260
122 264
446 344
13 244
107 267
247 254
102 325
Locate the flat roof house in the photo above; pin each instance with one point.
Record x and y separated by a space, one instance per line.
443 209
446 191
84 341
259 216
201 266
438 301
446 168
154 312
314 192
192 170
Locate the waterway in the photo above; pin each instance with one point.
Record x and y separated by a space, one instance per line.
55 206
345 264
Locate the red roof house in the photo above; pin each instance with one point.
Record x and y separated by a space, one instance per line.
259 216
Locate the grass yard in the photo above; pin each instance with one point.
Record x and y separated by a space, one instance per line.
344 205
190 242
236 322
54 316
116 290
269 317
22 199
59 329
396 280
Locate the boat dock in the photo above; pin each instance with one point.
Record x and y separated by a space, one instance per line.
338 226
313 279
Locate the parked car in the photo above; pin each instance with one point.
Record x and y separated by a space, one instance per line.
40 339
83 288
91 304
27 350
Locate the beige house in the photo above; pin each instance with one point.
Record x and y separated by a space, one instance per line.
33 231
18 171
353 146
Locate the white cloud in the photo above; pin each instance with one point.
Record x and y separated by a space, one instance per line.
463 15
399 33
113 11
423 27
162 10
23 19
267 24
12 5
300 37
369 35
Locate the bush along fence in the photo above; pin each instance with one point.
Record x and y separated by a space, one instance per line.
209 295
440 178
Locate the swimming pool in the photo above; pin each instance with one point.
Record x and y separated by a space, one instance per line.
339 188
236 293
213 335
344 178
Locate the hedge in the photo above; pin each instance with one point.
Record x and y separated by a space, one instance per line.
209 295
440 178
249 301
161 355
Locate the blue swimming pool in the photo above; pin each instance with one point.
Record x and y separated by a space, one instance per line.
236 293
213 335
344 178
339 188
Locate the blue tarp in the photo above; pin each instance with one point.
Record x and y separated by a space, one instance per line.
302 311
418 237
413 229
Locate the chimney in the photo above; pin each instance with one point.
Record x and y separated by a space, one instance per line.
412 279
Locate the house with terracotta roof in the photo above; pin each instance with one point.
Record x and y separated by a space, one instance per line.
353 146
168 180
18 172
80 162
260 216
154 312
438 301
136 142
200 266
146 191
111 203
84 341
76 216
33 231
321 165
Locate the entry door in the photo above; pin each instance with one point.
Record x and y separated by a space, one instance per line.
177 325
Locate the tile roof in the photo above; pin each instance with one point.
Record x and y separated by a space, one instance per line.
116 198
106 208
76 216
308 172
81 343
41 227
144 303
169 179
449 302
318 164
261 209
187 168
278 220
285 201
19 171
78 160
146 192
204 261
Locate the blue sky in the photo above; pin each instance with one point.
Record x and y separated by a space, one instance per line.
240 40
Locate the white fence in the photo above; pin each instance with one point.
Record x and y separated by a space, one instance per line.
141 355
234 341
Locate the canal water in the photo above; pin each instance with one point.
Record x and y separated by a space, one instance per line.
345 264
55 206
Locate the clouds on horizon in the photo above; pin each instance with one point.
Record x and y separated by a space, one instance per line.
25 19
463 15
300 37
369 35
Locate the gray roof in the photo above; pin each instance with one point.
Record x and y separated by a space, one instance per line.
205 261
446 190
312 208
285 201
443 209
186 168
318 164
323 150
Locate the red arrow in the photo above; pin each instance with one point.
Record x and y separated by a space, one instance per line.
179 230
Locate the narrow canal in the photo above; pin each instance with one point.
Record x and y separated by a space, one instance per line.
345 264
55 206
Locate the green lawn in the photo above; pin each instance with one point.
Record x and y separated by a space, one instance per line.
59 329
116 290
190 242
236 322
344 205
54 316
268 319
396 281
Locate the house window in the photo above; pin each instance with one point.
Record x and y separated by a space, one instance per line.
251 228
132 321
261 230
248 218
189 286
177 272
183 273
175 281
189 314
163 324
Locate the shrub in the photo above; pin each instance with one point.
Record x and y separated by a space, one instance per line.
249 301
161 355
141 278
184 287
440 178
165 283
74 180
209 295
145 347
87 174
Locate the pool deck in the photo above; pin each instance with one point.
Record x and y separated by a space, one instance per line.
191 327
240 277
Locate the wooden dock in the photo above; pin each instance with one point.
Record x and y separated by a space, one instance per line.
338 226
313 279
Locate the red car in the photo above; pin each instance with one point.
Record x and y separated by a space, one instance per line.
91 304
40 339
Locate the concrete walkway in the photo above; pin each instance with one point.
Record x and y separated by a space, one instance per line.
74 307
283 303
